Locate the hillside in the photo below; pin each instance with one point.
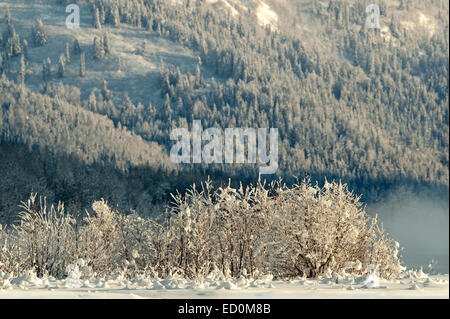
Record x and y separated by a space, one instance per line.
367 106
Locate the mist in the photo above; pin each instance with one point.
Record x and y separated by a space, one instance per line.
419 221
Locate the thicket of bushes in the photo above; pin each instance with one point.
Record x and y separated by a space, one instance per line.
285 231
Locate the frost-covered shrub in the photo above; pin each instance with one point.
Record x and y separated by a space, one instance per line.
216 231
190 225
302 230
100 244
11 261
111 242
315 229
44 241
144 243
244 220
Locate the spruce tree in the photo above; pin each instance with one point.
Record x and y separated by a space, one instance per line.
25 48
8 17
61 66
82 65
46 69
198 76
115 16
97 24
13 45
22 70
105 92
67 54
39 34
99 50
102 12
1 64
76 47
10 30
106 44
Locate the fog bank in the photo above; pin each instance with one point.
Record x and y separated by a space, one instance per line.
419 222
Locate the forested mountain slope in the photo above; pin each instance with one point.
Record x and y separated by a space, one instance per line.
369 106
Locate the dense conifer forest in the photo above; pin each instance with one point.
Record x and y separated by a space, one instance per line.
365 106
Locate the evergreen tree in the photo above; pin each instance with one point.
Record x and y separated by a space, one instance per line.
105 92
61 66
10 30
46 69
67 54
82 65
102 14
106 44
13 46
22 70
76 47
115 16
39 34
8 19
25 48
99 49
198 76
97 23
2 59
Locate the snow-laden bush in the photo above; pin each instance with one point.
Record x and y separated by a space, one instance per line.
192 223
44 241
302 230
244 220
216 231
314 229
100 244
10 261
144 247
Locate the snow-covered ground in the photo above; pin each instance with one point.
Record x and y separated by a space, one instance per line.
413 284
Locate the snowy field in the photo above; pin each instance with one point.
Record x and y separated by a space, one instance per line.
413 284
